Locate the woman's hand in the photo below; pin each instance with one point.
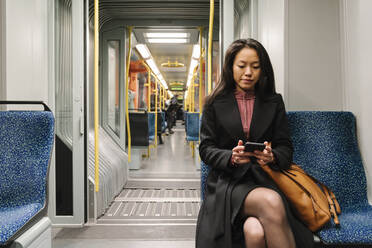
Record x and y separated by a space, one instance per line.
239 156
266 156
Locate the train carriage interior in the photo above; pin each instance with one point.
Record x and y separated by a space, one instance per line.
122 84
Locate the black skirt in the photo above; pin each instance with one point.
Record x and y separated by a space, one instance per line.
254 178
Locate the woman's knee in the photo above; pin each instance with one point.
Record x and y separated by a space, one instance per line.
265 204
253 230
274 207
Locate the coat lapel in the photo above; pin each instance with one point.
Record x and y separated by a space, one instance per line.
263 114
227 111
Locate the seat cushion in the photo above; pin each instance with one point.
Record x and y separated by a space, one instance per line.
192 126
326 146
204 171
355 228
151 123
13 218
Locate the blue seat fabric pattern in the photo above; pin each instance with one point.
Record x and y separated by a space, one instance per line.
204 170
26 141
325 145
192 126
151 126
163 123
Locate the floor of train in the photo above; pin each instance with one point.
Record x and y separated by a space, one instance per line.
157 208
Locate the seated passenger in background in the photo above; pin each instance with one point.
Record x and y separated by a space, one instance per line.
242 205
171 114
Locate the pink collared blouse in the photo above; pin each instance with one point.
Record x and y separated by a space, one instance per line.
245 103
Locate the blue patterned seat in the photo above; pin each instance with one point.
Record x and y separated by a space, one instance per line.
192 126
26 141
151 116
204 171
151 126
163 123
326 146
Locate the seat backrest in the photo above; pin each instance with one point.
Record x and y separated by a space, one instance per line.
163 125
204 171
139 128
325 145
160 122
192 126
26 141
151 121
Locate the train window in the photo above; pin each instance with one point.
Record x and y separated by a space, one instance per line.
113 120
112 85
245 18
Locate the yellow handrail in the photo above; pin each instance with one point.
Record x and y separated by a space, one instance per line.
126 91
96 106
156 110
149 88
161 97
148 85
200 70
149 72
210 38
193 89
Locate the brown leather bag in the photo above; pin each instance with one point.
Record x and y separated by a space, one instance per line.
314 202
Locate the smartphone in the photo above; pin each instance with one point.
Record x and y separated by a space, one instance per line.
252 146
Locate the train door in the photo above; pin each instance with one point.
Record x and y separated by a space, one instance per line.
112 173
67 177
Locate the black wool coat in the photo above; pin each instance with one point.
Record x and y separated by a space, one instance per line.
221 129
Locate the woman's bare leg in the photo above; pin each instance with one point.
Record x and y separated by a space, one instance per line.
254 235
267 206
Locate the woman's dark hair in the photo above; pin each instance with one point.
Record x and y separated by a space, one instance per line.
266 83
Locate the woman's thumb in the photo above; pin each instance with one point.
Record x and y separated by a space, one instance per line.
240 143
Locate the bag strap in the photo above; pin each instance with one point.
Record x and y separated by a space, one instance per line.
338 209
331 206
329 193
334 206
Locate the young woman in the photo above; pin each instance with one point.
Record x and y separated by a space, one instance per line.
242 205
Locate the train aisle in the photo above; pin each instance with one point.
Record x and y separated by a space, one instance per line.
157 208
172 160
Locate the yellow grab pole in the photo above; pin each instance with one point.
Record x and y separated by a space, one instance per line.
148 94
188 99
160 97
126 91
163 104
156 110
194 74
192 97
193 94
148 85
200 71
149 89
210 38
96 106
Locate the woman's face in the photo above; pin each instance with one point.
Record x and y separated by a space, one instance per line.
246 69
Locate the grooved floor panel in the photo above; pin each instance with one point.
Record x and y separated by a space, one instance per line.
154 205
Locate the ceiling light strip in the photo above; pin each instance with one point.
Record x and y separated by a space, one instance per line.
167 35
168 40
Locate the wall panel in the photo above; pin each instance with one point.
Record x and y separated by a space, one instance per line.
26 50
314 63
357 60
